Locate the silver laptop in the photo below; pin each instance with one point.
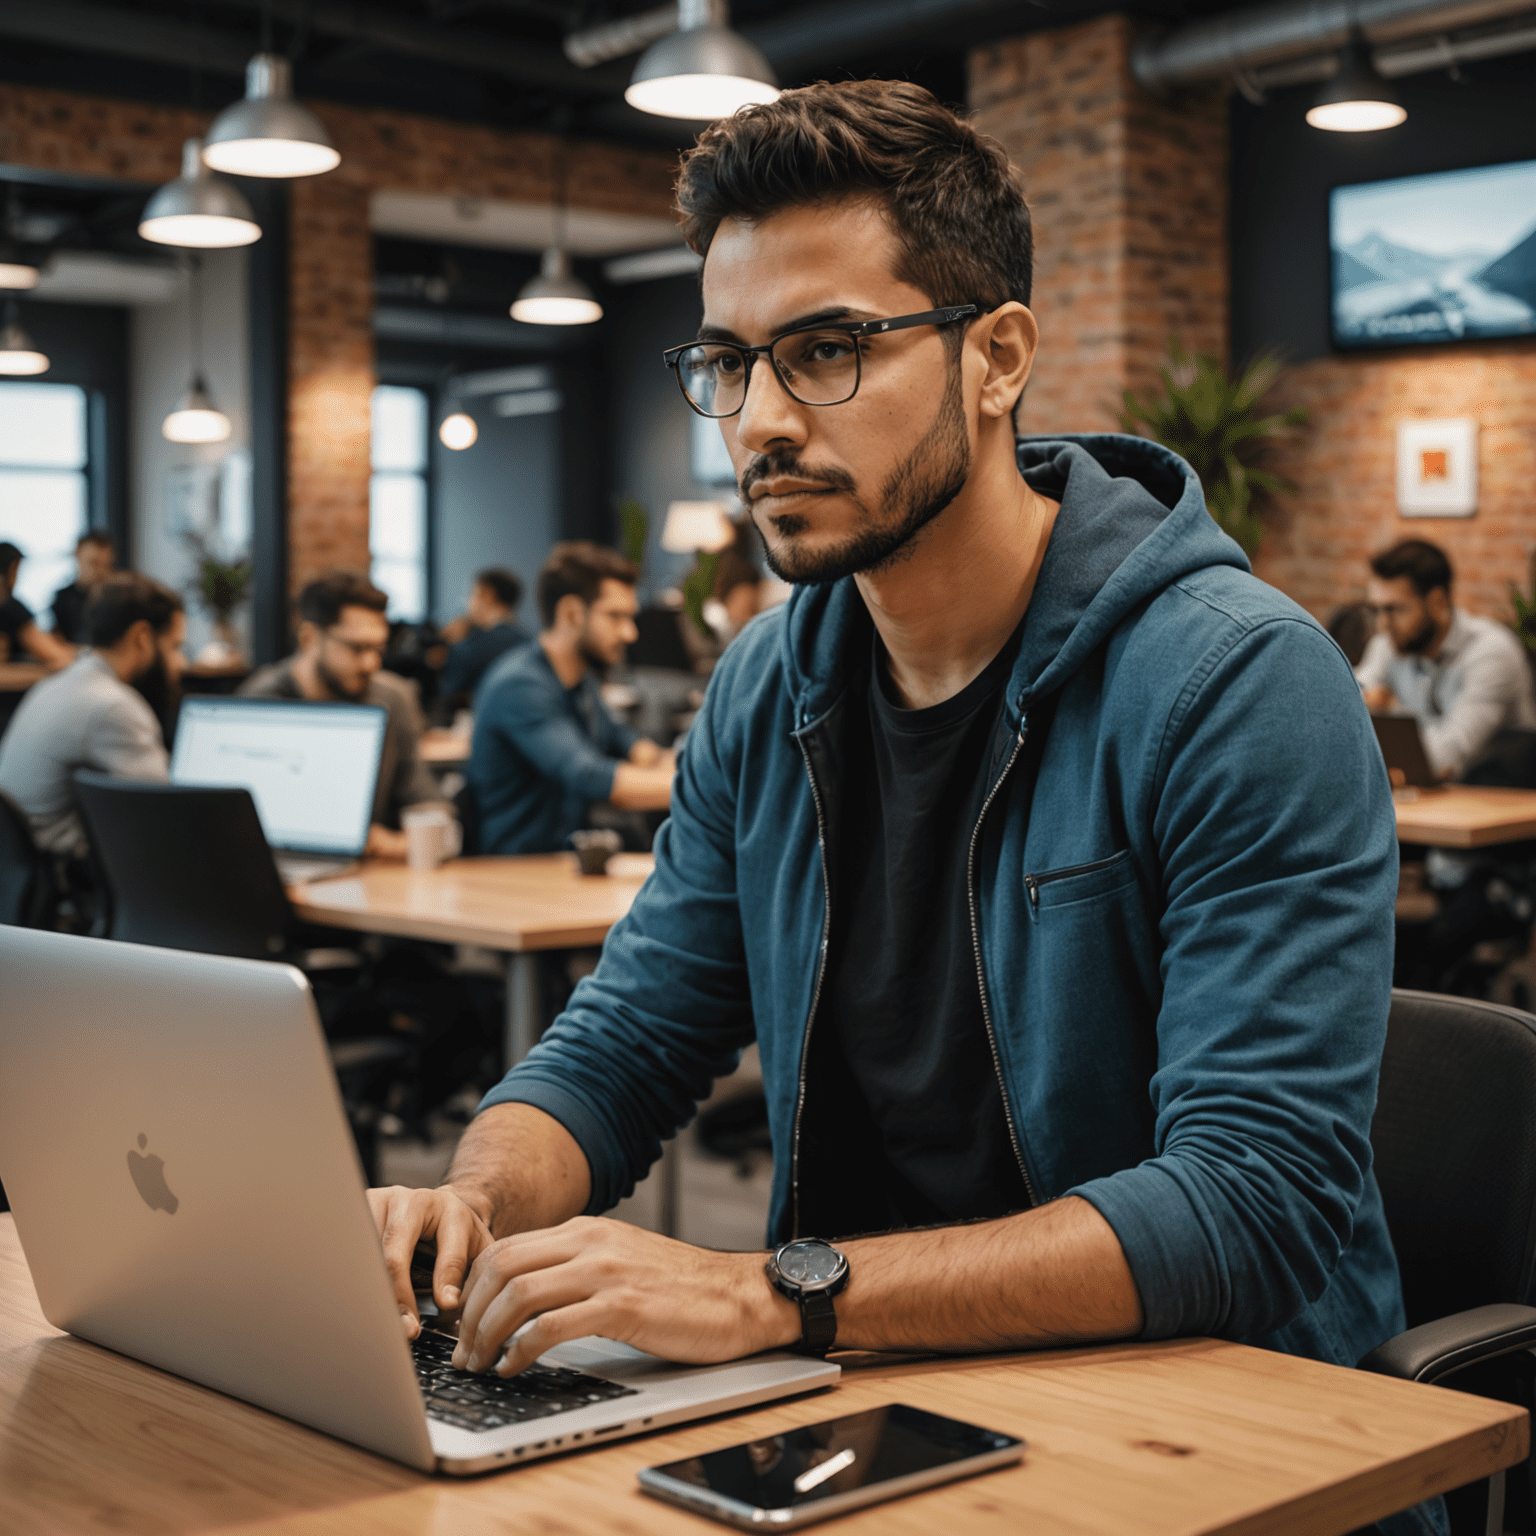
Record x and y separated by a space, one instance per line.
187 1192
312 770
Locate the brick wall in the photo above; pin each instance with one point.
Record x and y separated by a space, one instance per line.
330 335
1128 196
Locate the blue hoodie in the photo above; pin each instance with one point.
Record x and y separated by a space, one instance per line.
1182 900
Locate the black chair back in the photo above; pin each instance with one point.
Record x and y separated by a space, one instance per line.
188 868
28 897
1508 761
1455 1152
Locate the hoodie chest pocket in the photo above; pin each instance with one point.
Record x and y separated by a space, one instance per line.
1079 882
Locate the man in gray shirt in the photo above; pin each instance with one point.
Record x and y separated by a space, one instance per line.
90 715
1466 678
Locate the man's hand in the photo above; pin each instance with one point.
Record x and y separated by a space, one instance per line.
384 843
406 1216
594 1275
1380 699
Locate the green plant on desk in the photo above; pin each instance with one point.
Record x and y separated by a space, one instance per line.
221 585
1215 424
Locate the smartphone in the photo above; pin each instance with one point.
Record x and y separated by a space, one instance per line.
826 1469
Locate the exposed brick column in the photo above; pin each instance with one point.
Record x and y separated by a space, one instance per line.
1129 200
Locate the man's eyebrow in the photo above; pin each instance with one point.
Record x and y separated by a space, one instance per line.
800 322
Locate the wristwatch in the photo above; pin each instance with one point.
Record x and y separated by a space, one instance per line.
810 1272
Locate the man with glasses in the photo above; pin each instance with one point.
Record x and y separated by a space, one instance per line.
342 633
1047 856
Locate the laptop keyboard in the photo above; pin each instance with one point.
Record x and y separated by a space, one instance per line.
487 1402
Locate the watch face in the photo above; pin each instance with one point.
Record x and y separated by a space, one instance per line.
810 1264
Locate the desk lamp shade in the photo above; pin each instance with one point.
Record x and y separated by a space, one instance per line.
269 133
703 70
18 354
556 296
692 526
1357 99
198 210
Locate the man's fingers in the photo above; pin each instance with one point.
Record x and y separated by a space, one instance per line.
518 1300
523 1254
403 1219
458 1242
551 1328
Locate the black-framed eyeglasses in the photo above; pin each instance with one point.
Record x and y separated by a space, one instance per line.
816 365
359 648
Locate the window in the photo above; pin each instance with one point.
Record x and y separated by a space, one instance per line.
43 491
397 500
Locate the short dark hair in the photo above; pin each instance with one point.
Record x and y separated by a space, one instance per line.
579 569
954 201
504 585
99 537
121 600
9 556
323 599
1423 563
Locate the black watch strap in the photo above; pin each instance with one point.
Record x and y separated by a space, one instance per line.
818 1323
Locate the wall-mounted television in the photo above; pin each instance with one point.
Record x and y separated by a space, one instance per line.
1443 258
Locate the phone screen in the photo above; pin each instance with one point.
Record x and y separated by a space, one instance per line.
839 1456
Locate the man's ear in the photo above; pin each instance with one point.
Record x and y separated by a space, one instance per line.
1009 339
570 612
308 635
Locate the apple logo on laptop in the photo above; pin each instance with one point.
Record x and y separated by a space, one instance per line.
149 1178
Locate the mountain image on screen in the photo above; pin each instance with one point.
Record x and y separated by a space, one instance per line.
1441 258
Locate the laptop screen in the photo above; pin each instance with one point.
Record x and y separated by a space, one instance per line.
310 768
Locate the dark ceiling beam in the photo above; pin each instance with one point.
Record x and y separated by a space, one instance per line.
129 35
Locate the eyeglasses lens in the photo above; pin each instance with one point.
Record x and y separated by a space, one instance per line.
817 368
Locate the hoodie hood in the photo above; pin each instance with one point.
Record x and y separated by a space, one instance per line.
1132 522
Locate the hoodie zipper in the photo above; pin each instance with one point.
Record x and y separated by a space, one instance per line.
821 971
981 975
1032 883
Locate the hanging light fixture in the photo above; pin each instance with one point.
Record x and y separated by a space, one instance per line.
18 353
703 70
1357 99
17 268
458 431
196 418
198 209
557 296
269 133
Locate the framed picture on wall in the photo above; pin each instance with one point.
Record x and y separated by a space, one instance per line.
1437 468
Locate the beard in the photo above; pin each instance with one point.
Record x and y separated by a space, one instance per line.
1420 640
915 492
336 686
155 687
593 657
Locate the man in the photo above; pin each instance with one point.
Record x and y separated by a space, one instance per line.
487 630
1466 678
545 746
1047 855
20 636
92 715
95 555
342 633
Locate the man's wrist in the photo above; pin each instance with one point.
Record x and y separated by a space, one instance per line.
477 1199
773 1320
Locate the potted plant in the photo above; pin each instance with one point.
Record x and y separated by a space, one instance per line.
1217 426
221 586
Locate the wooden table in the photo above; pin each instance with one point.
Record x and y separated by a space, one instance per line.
442 748
1465 816
1125 1440
516 906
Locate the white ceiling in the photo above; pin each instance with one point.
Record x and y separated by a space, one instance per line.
514 226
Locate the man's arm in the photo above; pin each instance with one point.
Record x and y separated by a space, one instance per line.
1494 680
644 789
54 653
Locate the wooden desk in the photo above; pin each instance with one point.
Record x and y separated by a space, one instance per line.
442 748
1125 1440
1465 816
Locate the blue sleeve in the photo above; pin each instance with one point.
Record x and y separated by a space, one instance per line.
668 1009
618 738
535 719
1274 829
464 666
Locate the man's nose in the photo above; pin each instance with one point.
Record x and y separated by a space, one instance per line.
769 418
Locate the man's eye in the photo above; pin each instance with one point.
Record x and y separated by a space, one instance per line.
726 363
830 349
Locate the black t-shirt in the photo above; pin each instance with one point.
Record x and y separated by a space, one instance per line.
14 617
903 1058
69 605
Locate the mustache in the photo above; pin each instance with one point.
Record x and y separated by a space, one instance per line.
768 466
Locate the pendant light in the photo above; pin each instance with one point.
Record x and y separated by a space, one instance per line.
458 431
557 296
269 133
18 354
199 209
17 269
196 418
1357 99
703 70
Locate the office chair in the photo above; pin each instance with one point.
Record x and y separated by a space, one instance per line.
190 868
1454 1141
29 893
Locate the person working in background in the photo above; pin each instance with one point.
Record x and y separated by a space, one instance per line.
92 714
545 746
95 555
485 632
1466 678
342 633
20 637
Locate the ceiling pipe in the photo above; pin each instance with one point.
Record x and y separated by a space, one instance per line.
617 39
1245 44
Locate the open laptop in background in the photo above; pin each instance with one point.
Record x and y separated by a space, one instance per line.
311 768
187 1192
1403 748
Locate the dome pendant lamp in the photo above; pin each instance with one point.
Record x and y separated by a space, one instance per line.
196 418
17 268
703 70
1357 99
269 133
199 209
19 356
557 296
